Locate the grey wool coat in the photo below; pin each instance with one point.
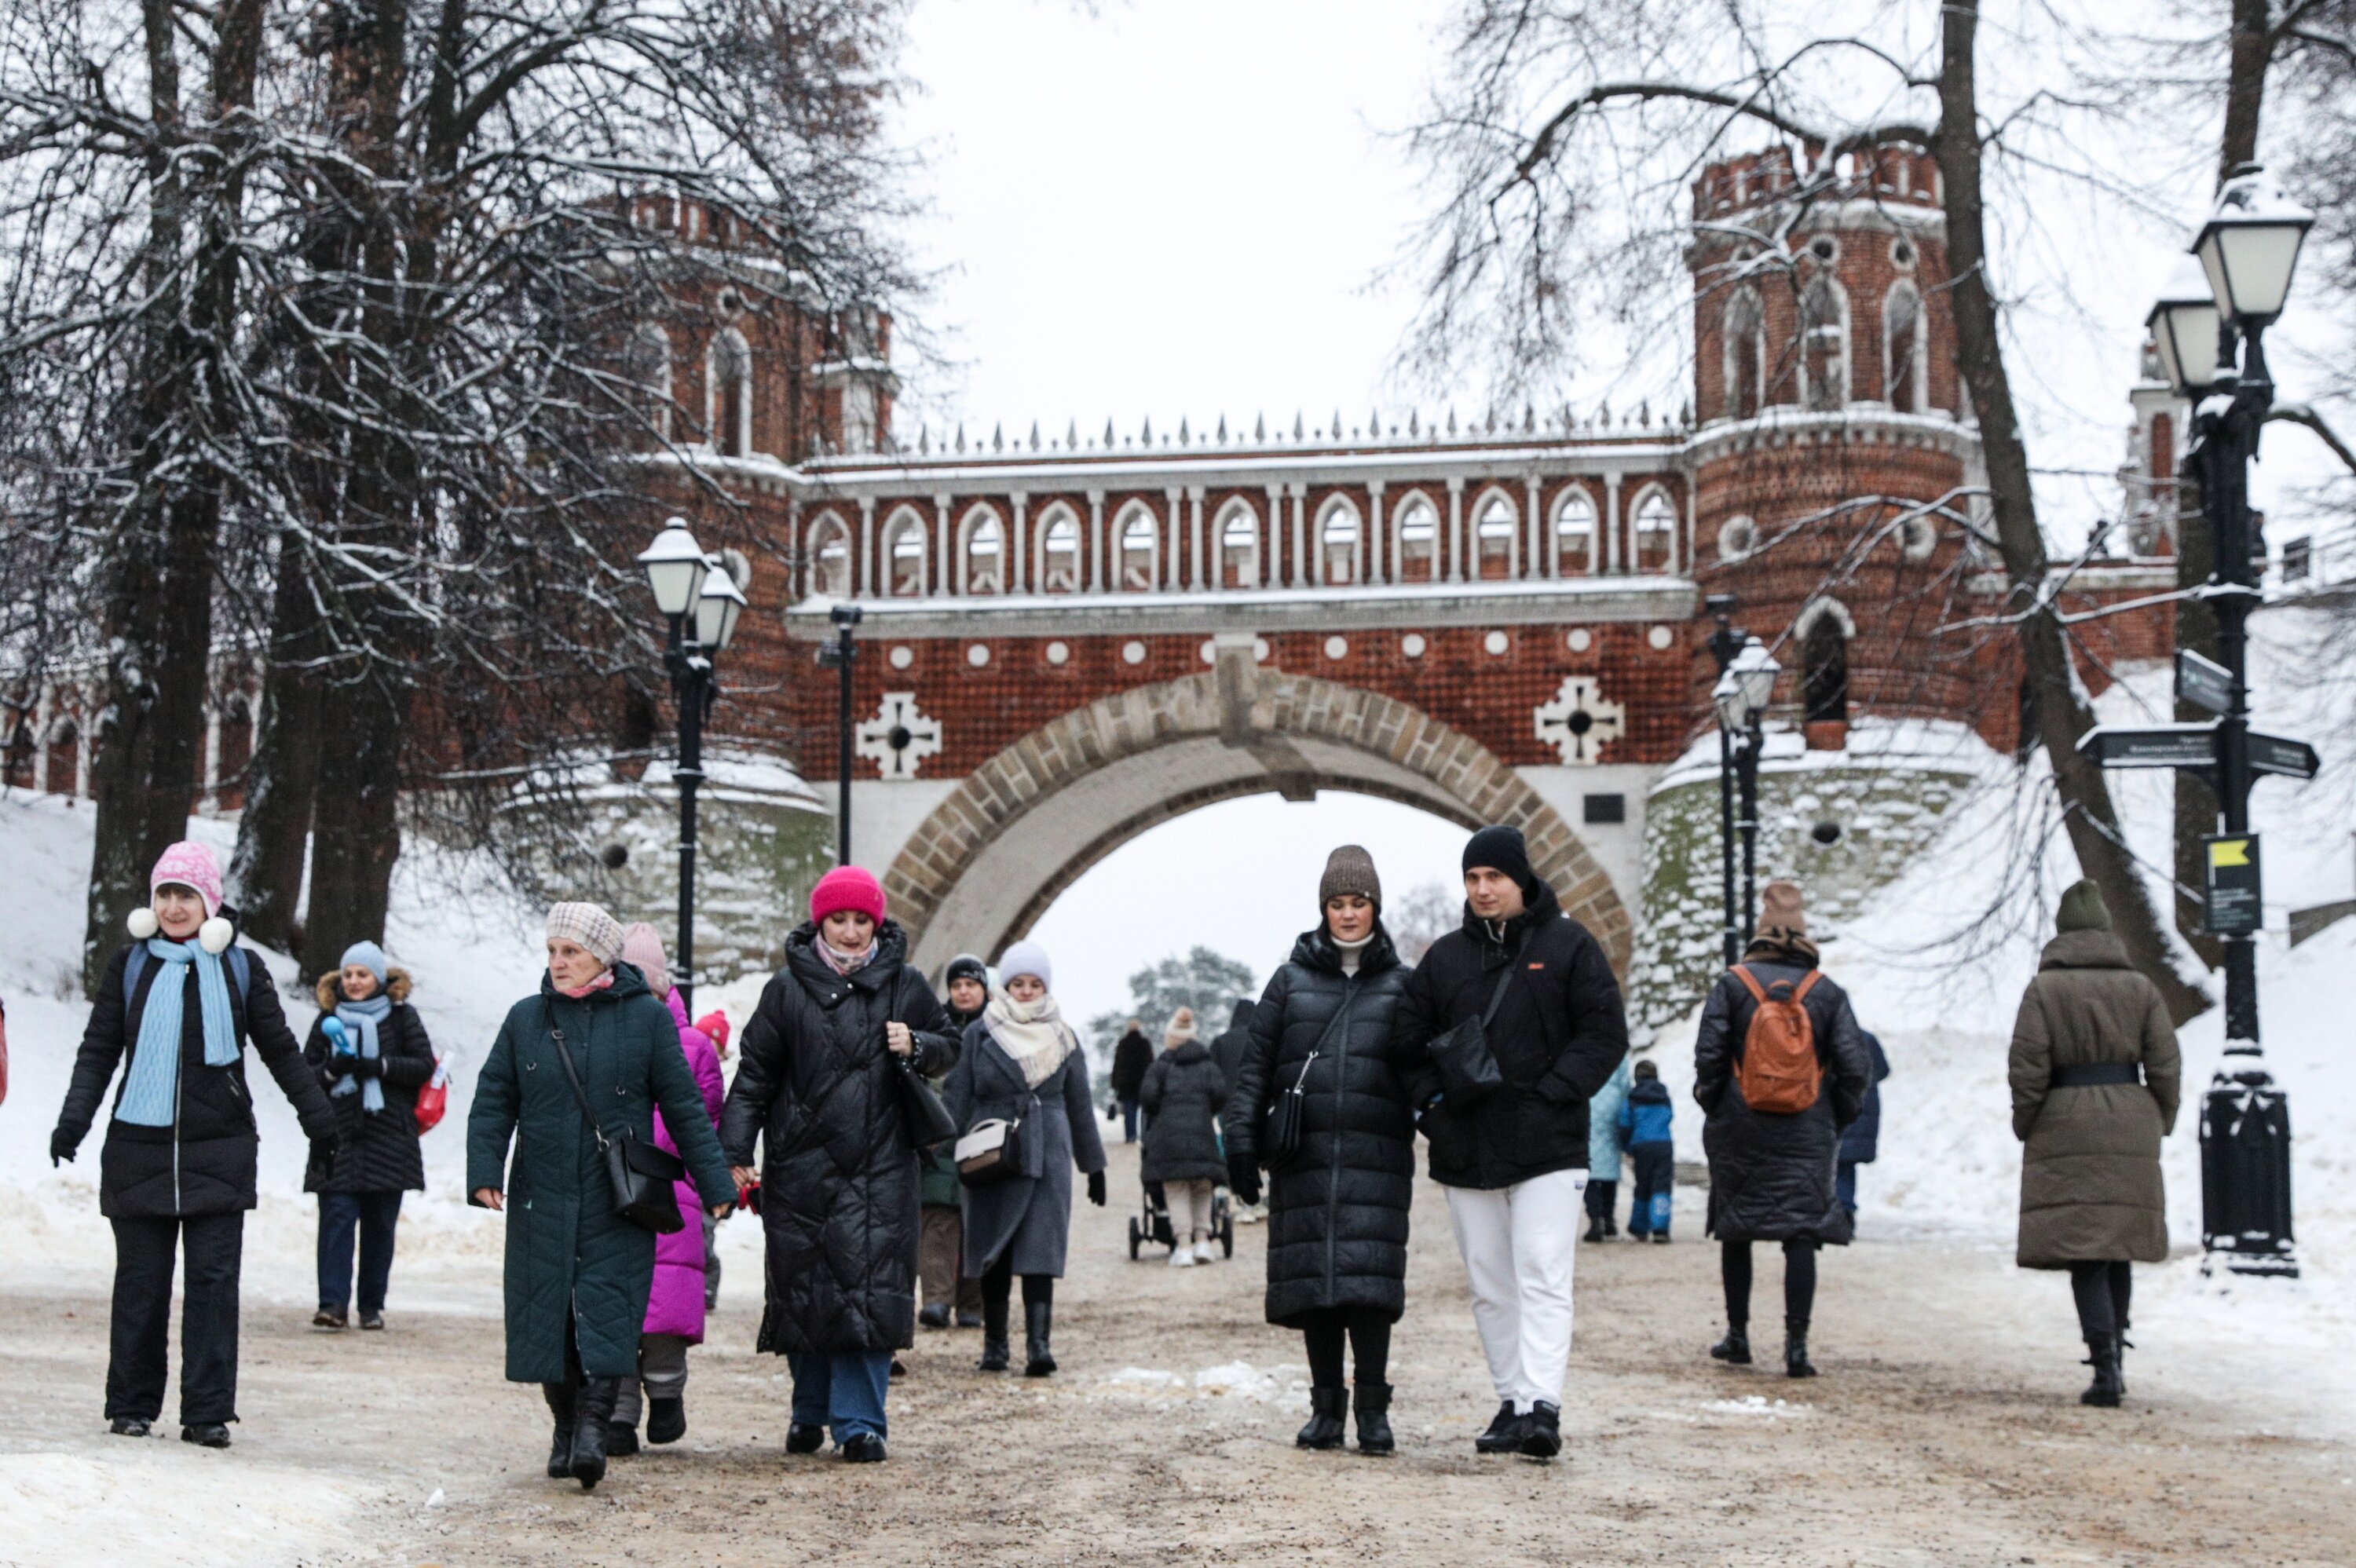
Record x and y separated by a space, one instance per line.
569 1255
1028 1218
2090 1182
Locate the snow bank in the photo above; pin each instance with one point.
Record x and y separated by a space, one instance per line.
187 1507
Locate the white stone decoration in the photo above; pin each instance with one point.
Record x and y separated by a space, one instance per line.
1661 637
1132 653
903 657
1337 648
1413 644
977 654
1579 640
1210 652
1059 653
900 737
1579 719
1496 642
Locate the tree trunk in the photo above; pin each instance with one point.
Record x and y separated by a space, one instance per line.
353 852
2248 54
2092 820
266 873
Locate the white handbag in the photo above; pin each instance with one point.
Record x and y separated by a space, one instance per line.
991 1153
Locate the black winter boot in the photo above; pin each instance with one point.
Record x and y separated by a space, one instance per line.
993 1338
621 1440
666 1420
1327 1407
1734 1349
1038 1321
804 1439
1506 1431
2109 1384
593 1408
559 1447
1595 1228
935 1315
1542 1430
1373 1404
1795 1356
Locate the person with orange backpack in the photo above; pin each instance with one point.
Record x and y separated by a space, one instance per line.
1780 1068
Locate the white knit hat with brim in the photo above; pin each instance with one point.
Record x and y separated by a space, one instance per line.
587 926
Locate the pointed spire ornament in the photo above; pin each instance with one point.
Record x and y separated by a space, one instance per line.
1110 441
1259 429
1374 421
998 438
924 439
1414 422
1222 437
1298 426
960 444
1146 437
1451 418
1184 439
1529 419
1034 435
1072 437
1644 414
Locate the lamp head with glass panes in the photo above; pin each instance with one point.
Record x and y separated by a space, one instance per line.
1743 692
675 567
2250 246
717 608
2184 324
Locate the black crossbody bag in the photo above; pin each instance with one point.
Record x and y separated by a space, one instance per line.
1468 1068
639 1173
1279 1138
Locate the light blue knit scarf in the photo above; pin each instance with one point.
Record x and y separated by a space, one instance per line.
361 1019
151 1087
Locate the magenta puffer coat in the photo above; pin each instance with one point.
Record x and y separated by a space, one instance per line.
676 1304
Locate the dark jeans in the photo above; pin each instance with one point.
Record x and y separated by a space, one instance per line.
373 1215
1799 1284
842 1391
1369 1334
214 1245
1128 1120
1845 1185
1656 1180
2102 1291
1602 1199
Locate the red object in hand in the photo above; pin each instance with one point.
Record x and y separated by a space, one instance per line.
434 1100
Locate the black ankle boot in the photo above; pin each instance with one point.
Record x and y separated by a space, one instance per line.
1595 1228
1542 1436
1038 1321
2109 1384
1372 1401
1796 1355
1327 1407
592 1407
559 1447
993 1338
1506 1431
1734 1349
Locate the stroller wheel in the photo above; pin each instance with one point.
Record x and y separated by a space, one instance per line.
1135 1241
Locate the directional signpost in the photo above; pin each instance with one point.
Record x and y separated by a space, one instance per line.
2158 746
2204 682
2234 907
2291 759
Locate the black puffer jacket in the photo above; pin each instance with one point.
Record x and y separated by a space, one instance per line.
1132 1059
1771 1173
204 1162
1337 1211
1227 1048
1184 1092
1559 1036
373 1153
839 1198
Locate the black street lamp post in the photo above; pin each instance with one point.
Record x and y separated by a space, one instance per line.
843 656
701 602
1741 698
1724 643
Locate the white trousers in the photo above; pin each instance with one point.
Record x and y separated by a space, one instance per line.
1519 1243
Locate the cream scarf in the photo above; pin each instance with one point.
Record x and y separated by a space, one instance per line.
1033 1035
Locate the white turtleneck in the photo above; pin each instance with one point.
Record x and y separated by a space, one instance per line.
1351 952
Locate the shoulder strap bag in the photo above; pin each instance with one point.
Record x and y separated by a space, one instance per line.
928 1119
1468 1068
640 1174
1279 1138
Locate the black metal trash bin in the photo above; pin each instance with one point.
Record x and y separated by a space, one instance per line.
2246 1174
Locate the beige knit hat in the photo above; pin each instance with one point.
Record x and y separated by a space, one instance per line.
1180 1030
588 926
1349 869
1778 910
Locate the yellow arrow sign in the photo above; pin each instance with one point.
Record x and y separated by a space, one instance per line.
2229 852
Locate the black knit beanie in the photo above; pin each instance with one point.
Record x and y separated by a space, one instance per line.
1501 847
966 966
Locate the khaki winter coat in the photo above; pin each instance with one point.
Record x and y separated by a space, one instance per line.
2090 1183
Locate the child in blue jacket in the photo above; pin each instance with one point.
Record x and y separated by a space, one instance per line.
1643 1123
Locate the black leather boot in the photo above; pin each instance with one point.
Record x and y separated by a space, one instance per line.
559 1447
993 1336
592 1407
1734 1349
1327 1407
1372 1403
1796 1355
1038 1322
2109 1385
1506 1431
1595 1228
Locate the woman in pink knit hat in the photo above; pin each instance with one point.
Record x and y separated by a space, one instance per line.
821 1085
175 1012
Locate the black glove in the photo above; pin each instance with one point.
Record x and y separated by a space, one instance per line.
323 1153
1097 1187
62 1145
1243 1181
367 1067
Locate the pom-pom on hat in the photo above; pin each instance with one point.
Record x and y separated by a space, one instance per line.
848 888
1027 959
642 946
191 866
587 926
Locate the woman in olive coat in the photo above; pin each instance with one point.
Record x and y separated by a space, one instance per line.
1337 1222
2095 1078
578 1273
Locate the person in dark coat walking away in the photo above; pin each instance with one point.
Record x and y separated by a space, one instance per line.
1861 1139
1338 1203
174 1011
578 1273
1603 1154
1023 1063
1131 1060
1514 1161
2096 1080
1642 1125
1182 1095
821 1086
370 1051
1227 1048
942 1257
1771 1170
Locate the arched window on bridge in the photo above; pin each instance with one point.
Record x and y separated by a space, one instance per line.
985 552
1337 544
1495 537
1742 352
904 554
729 377
1419 541
1137 553
1824 665
1238 546
1823 345
1905 361
829 557
648 365
1059 550
1656 531
1574 533
65 758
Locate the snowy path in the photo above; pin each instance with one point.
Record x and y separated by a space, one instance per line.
1944 1431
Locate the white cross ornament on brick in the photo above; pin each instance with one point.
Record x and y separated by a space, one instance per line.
899 737
1579 719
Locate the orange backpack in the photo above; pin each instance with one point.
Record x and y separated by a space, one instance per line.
1779 1070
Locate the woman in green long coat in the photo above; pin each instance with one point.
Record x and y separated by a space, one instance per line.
577 1273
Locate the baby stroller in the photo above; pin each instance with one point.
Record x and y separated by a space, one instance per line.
1154 1223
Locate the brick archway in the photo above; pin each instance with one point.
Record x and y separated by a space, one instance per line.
1019 829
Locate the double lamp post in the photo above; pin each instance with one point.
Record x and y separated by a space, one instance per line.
1746 685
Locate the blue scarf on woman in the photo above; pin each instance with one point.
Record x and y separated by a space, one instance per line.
361 1019
152 1085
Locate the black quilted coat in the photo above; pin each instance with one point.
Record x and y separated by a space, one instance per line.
839 1177
1338 1210
1771 1173
375 1153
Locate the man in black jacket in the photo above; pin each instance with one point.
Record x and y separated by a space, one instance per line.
1515 1160
1130 1058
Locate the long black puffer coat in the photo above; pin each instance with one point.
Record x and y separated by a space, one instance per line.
1338 1221
375 1153
1184 1092
203 1163
1771 1173
839 1176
